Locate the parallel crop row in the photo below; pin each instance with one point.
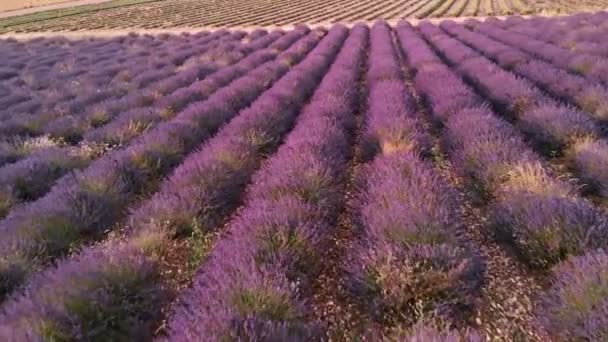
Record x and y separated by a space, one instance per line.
541 215
548 122
57 116
86 203
592 67
383 184
33 176
225 162
410 260
584 32
247 288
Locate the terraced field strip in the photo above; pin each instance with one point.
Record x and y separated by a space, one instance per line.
194 13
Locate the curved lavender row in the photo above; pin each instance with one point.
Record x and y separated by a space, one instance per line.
577 34
543 119
547 220
591 97
33 124
32 177
132 122
290 208
408 253
81 206
216 54
544 217
18 57
513 94
239 135
102 83
105 52
73 127
184 204
102 61
557 81
593 68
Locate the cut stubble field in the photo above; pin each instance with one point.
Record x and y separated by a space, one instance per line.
436 182
164 14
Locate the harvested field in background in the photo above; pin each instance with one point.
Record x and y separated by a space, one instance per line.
411 183
9 5
240 13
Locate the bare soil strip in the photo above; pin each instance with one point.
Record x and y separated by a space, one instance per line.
11 8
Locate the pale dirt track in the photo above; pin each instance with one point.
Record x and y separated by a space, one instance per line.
11 8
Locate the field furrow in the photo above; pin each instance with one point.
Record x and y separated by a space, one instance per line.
435 180
84 205
227 162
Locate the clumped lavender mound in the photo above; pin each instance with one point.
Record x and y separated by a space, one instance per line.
307 184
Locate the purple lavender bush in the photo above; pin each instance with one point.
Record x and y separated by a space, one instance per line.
80 207
254 281
105 293
576 305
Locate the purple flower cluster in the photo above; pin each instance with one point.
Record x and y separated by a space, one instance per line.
12 150
543 119
589 96
131 123
408 255
541 215
394 127
86 89
251 286
575 308
207 186
81 206
106 293
428 67
592 67
31 178
135 306
156 86
505 89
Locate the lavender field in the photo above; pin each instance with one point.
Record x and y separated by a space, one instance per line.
430 182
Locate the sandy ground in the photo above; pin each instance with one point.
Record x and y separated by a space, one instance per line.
9 8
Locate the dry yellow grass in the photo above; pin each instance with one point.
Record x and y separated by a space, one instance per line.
12 5
9 5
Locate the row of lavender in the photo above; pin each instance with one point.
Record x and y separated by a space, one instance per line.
542 215
226 162
245 287
84 204
210 140
409 264
575 134
27 177
584 32
33 79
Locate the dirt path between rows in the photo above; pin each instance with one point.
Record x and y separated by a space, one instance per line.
13 8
